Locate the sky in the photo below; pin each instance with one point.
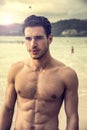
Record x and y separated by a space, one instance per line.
15 11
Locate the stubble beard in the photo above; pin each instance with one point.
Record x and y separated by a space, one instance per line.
40 56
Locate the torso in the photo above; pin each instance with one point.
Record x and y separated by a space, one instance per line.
39 98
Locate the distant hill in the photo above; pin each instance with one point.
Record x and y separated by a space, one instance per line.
11 30
71 27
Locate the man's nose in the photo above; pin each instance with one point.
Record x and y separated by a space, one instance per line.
33 43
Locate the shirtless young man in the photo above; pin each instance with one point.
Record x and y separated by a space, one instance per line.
40 84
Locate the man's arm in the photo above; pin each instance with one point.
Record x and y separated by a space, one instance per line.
71 100
9 103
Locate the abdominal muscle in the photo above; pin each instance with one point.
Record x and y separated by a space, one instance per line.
37 115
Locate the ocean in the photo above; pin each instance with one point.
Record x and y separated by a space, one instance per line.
12 50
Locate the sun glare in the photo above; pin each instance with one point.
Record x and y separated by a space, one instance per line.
7 19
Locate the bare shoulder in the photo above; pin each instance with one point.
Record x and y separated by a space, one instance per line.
68 74
17 66
14 69
66 71
70 77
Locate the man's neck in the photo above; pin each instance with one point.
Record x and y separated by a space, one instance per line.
41 64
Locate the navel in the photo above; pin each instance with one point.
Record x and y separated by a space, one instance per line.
32 127
53 96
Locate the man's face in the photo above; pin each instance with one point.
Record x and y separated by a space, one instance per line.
37 42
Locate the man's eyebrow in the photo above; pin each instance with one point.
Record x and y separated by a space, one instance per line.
35 37
39 36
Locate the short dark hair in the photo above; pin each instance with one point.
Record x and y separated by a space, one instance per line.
34 20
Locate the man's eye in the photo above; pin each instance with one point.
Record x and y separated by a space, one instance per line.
38 37
28 38
35 38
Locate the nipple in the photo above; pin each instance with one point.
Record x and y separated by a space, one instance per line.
19 92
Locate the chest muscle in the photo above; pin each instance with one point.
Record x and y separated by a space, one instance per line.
32 85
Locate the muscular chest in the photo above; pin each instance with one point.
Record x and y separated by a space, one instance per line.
45 85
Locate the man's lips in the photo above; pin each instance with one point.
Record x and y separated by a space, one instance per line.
34 51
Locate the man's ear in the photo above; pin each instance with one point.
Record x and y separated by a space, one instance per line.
50 38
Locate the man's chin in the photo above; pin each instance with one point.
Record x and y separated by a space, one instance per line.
36 58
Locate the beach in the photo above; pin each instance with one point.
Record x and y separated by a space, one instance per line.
61 49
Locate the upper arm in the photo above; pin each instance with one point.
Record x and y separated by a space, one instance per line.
71 94
9 102
10 95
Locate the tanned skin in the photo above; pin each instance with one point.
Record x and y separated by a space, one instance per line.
39 85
